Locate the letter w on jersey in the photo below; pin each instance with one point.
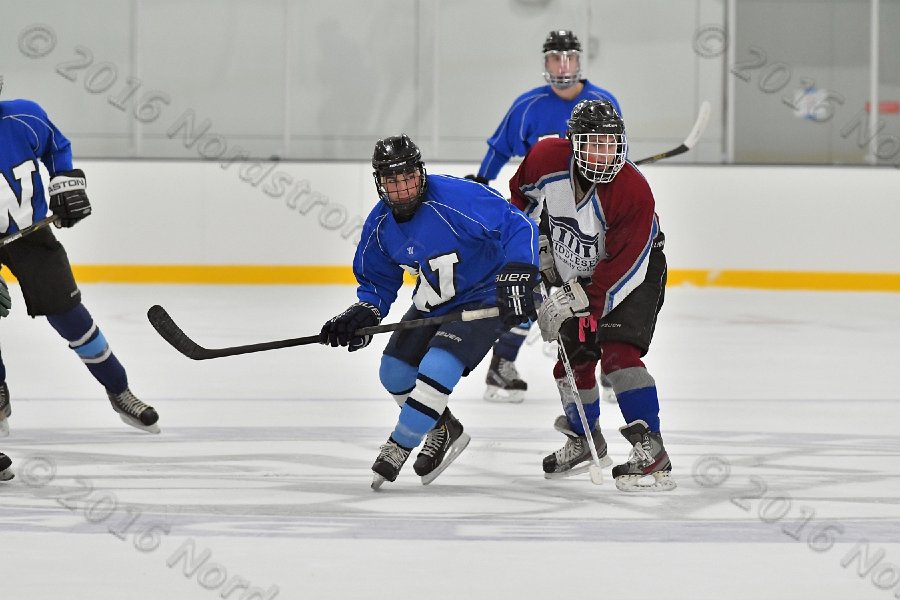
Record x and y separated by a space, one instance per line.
444 267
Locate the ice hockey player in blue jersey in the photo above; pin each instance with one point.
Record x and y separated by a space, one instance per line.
6 472
468 249
40 262
537 114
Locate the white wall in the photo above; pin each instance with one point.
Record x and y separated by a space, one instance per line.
755 218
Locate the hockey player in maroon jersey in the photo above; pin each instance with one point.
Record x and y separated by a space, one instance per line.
603 250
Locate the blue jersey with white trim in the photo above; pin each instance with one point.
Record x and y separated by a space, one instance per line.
535 115
27 136
459 238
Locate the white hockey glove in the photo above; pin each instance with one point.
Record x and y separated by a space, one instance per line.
566 302
548 264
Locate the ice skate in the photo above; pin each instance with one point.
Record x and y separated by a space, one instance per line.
390 460
503 382
575 456
5 468
648 457
134 412
5 409
443 444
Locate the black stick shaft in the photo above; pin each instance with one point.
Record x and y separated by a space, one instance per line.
173 334
9 239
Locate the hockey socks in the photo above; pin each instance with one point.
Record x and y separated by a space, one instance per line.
88 342
438 374
636 392
508 345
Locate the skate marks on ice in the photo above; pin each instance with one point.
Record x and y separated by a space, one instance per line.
310 482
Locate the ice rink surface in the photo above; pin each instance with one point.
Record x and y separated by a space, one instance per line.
780 411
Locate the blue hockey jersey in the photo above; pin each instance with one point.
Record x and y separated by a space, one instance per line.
458 239
26 136
535 115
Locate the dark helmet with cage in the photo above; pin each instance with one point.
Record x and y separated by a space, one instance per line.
562 59
399 174
598 140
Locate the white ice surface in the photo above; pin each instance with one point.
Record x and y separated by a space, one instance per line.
261 474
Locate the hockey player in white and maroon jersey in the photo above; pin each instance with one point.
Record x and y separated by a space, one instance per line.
539 113
602 247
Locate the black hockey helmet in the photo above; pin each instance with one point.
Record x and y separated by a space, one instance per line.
562 59
562 40
598 139
394 157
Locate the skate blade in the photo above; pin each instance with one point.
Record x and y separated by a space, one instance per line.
7 474
377 480
455 450
662 482
605 461
138 425
499 395
4 428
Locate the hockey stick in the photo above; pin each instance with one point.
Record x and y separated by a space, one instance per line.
9 239
596 473
172 333
689 141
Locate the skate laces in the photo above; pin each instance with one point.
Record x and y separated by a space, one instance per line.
435 440
393 454
507 369
129 403
574 448
640 454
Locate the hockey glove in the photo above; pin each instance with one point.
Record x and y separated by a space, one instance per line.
5 300
566 302
339 330
515 293
548 264
478 178
68 199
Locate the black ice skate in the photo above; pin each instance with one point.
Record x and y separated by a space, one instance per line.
443 444
575 457
5 409
648 457
5 468
134 412
390 460
503 382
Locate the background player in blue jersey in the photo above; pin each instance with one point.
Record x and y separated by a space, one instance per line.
468 249
40 262
5 304
537 114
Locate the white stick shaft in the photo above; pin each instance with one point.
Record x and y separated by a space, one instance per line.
596 472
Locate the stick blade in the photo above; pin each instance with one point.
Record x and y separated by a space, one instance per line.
166 327
699 126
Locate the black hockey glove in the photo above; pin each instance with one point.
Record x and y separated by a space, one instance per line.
339 330
5 300
68 199
478 178
515 293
